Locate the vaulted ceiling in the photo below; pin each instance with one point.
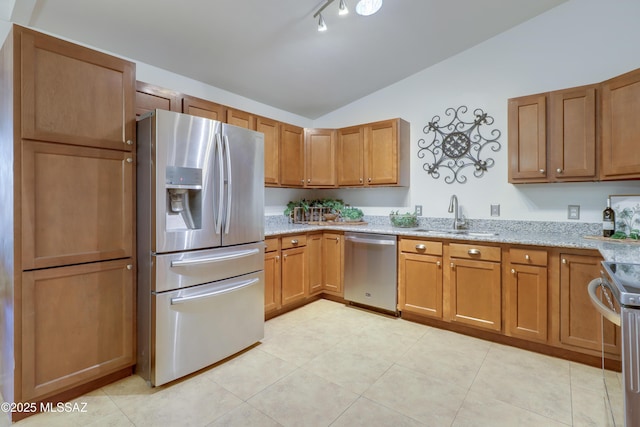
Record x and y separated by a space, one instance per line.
271 51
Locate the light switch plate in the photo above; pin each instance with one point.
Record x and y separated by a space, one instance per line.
573 212
495 210
418 210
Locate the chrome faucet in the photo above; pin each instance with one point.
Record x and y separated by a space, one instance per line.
458 223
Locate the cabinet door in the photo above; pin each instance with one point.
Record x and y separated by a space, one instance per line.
420 284
294 275
75 95
77 325
320 157
77 204
526 302
476 293
621 127
272 282
351 156
271 130
315 262
579 320
572 139
291 156
528 139
381 152
333 260
150 97
241 119
203 108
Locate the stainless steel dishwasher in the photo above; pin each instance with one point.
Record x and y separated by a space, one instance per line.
370 270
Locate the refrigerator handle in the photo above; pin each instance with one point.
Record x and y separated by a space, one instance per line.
220 184
227 217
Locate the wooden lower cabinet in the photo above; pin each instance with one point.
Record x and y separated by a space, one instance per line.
77 325
315 263
420 278
294 270
526 292
333 260
580 322
272 278
475 293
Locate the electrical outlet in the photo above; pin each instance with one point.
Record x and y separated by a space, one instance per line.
573 212
418 210
495 210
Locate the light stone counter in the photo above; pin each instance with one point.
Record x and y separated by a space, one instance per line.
548 234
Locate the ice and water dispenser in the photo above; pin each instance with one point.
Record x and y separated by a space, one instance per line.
184 198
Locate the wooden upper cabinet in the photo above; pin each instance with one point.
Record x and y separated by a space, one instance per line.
351 156
572 136
320 157
150 97
74 95
528 139
77 204
374 154
203 108
291 155
271 130
621 127
381 148
241 119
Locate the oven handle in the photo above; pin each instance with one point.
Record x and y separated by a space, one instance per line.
609 314
197 261
238 286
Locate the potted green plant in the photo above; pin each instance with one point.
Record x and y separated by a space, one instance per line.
333 207
351 214
405 220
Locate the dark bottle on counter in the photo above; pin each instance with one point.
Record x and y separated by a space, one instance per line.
608 220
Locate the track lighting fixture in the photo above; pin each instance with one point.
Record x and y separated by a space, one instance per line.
363 7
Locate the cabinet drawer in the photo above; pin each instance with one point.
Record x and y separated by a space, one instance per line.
528 256
420 246
294 241
471 251
271 244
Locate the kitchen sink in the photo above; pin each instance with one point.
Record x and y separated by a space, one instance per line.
478 233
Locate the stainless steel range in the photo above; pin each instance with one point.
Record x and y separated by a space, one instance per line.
620 304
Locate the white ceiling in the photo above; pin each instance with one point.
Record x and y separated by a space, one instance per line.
270 50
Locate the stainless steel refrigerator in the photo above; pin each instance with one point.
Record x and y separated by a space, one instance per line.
200 231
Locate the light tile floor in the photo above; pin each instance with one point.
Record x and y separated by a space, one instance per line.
326 364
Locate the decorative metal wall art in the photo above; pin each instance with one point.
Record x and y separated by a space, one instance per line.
457 145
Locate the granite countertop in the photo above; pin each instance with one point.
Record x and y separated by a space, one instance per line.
548 234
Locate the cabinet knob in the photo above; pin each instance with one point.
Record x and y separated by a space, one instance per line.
277 258
438 263
129 142
559 170
564 260
308 180
541 171
473 252
453 265
129 160
294 241
337 239
302 181
527 257
360 179
513 271
369 180
421 247
284 257
129 267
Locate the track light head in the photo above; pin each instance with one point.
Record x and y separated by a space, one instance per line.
321 24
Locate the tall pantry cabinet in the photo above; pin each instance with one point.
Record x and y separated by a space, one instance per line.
67 289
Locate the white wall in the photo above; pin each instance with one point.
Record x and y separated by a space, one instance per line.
579 42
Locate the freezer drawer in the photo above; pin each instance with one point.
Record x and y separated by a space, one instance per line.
180 270
201 325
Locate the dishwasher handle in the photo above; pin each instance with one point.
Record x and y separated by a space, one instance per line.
607 312
370 241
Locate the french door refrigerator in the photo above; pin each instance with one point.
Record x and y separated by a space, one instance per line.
200 243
